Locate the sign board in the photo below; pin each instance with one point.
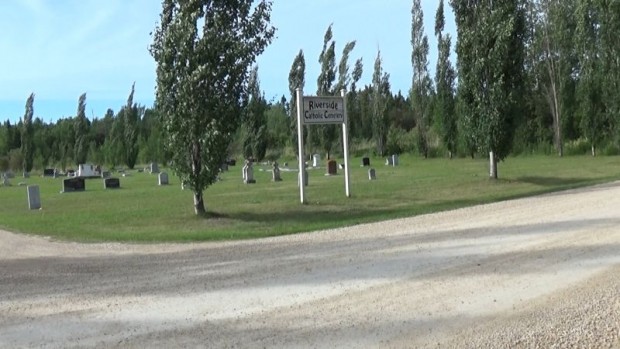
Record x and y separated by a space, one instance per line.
323 110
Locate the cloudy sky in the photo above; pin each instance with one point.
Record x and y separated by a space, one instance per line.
59 49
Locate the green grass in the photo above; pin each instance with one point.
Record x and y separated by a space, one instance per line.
142 211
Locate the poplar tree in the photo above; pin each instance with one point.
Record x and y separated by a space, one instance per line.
422 84
80 127
27 141
444 82
490 50
204 50
296 79
380 93
255 123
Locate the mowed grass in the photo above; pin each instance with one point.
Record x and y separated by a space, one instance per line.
142 211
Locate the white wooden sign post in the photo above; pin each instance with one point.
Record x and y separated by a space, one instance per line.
320 110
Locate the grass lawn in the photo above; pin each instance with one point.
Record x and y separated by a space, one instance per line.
142 211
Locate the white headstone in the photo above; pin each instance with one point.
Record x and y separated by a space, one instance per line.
163 178
5 180
316 158
34 197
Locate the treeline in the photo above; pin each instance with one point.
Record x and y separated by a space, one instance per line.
562 56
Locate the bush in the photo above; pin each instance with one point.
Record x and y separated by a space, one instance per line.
579 146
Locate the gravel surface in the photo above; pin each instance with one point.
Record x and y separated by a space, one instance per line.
541 272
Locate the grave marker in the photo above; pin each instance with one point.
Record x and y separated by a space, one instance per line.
73 184
111 183
372 174
365 161
163 178
275 175
154 168
332 168
34 197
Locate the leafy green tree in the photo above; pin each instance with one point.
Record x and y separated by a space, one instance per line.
490 50
129 118
325 135
610 56
27 136
81 126
444 81
296 79
380 93
422 85
255 123
590 88
203 50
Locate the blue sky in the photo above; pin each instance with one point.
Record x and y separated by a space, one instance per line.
59 49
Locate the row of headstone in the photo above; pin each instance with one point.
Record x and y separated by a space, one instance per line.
392 160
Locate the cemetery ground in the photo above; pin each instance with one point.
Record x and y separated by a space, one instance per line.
142 211
531 272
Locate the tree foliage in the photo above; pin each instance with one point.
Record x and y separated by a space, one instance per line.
27 141
204 50
421 89
490 50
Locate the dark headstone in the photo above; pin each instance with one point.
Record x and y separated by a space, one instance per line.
154 168
224 167
49 172
332 167
372 175
34 197
106 174
111 183
395 160
73 184
163 178
365 161
231 162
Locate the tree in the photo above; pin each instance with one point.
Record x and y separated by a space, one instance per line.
296 80
421 86
80 126
325 135
380 93
129 118
589 88
610 56
203 50
490 50
554 31
255 123
27 136
444 82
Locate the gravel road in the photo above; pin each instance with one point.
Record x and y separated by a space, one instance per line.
541 272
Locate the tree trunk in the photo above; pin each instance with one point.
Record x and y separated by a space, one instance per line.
199 204
492 165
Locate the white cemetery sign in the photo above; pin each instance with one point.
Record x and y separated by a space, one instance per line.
313 110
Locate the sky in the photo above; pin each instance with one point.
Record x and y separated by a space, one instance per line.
59 49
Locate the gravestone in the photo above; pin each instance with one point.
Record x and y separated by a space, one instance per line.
275 172
224 167
111 183
106 174
332 167
26 174
248 173
49 172
231 162
372 174
341 166
34 197
388 161
154 168
163 178
365 161
5 180
315 160
395 160
73 184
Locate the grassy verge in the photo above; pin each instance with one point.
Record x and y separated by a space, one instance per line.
142 211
